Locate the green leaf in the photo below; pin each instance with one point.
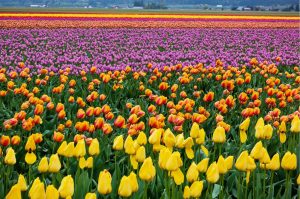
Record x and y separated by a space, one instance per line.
216 190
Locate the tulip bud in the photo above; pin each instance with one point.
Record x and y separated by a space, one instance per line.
30 158
118 143
14 193
69 150
66 188
142 138
177 176
22 183
128 145
219 135
289 161
52 192
192 173
212 173
202 165
186 192
94 148
54 164
79 150
90 196
10 157
104 182
133 182
125 189
140 154
222 167
196 189
147 171
295 128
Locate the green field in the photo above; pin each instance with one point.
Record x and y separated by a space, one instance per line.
183 11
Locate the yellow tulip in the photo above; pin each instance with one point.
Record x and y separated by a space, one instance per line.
66 187
22 183
80 150
133 182
201 138
268 131
69 150
163 158
179 141
265 158
52 192
125 189
256 151
14 193
43 165
192 173
34 185
82 163
222 166
202 165
229 162
10 157
289 161
295 128
30 158
94 148
140 154
298 180
219 135
188 144
142 138
177 176
38 191
205 150
30 144
169 138
61 149
89 162
241 162
274 164
155 137
186 192
195 130
136 145
259 128
172 163
104 182
147 171
118 143
212 173
54 164
90 196
133 162
245 125
243 136
129 145
196 189
250 163
282 127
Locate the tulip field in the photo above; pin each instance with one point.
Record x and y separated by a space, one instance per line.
171 106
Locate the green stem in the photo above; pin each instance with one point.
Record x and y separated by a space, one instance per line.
207 190
145 191
222 186
287 188
264 185
271 185
254 192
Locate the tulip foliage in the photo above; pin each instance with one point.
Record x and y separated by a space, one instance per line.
171 132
